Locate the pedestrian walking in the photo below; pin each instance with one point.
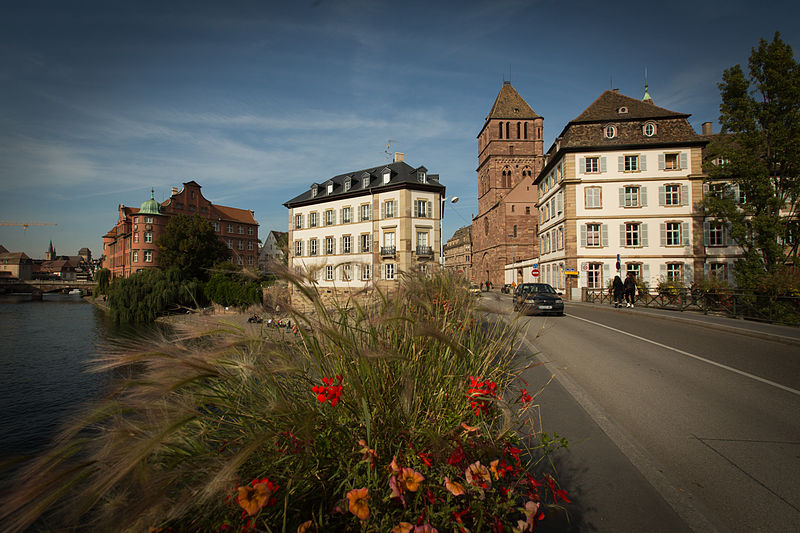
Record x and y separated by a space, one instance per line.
630 289
617 290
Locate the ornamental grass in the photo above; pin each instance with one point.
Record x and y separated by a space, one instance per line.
388 412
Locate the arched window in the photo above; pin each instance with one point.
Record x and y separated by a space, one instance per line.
506 130
501 130
526 130
518 130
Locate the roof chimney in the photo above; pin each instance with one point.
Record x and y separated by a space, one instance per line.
708 128
174 191
399 157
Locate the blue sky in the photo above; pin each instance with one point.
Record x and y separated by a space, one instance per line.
102 101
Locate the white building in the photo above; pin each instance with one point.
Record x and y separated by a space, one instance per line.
624 179
367 226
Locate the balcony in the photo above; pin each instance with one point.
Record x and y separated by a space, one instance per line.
388 251
424 251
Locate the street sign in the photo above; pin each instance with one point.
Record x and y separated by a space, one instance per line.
585 267
571 272
535 272
535 265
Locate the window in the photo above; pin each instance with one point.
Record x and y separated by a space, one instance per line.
366 271
631 196
148 256
421 209
388 209
631 163
298 248
365 182
649 129
671 162
388 240
329 246
230 228
423 178
594 197
515 230
347 184
635 269
592 234
672 234
312 220
592 165
329 272
135 220
229 242
136 236
347 272
239 260
314 191
593 277
716 234
148 236
347 244
632 234
560 238
366 239
298 221
250 245
365 212
346 214
672 195
330 188
216 226
610 132
312 247
718 270
330 217
386 177
240 244
527 210
390 270
136 256
240 229
148 220
250 260
675 272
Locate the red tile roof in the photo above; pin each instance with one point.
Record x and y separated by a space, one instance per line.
234 214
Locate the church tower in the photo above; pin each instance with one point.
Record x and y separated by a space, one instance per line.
510 155
50 254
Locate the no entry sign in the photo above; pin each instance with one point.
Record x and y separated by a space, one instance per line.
535 272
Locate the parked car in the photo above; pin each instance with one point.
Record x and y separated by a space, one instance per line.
474 289
506 289
537 299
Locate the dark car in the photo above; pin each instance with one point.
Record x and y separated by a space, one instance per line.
537 299
506 289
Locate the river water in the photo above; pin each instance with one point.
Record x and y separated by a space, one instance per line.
45 348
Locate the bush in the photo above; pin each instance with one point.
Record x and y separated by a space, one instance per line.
143 296
232 287
372 417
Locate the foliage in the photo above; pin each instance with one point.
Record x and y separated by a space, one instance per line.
102 277
371 417
759 152
229 286
190 245
143 296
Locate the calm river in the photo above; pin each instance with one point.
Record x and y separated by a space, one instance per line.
44 351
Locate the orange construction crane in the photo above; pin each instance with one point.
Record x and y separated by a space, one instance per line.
26 224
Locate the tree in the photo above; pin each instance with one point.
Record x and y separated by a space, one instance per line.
143 296
190 245
758 154
102 277
230 285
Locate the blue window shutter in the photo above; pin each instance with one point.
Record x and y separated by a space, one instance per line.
662 195
684 161
661 164
602 164
621 161
643 235
643 162
604 235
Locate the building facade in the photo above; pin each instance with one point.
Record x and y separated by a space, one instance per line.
510 155
621 192
130 246
458 252
273 250
366 227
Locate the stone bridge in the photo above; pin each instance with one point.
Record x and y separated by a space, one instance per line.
37 287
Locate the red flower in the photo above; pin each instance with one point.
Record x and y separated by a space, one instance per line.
525 397
514 452
457 456
425 457
478 389
430 497
329 391
557 492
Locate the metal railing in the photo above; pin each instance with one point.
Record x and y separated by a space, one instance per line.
426 251
388 251
731 303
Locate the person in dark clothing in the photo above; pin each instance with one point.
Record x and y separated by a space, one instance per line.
630 289
617 290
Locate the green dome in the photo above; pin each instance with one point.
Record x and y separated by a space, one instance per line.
150 207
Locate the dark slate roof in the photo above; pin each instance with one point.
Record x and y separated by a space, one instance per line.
509 104
607 106
402 175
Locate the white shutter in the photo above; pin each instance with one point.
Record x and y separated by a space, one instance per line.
661 164
685 232
604 235
582 275
383 210
684 161
729 241
663 234
646 273
429 213
643 162
622 196
735 188
643 196
581 165
583 235
341 244
416 209
383 271
602 164
688 273
684 195
662 195
622 234
663 272
643 235
560 202
621 163
706 233
606 273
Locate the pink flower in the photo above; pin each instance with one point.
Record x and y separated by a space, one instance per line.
455 488
478 475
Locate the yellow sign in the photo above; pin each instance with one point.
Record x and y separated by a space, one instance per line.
571 272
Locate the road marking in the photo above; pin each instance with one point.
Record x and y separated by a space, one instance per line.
693 356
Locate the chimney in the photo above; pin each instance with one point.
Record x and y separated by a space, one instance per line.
399 157
174 191
707 128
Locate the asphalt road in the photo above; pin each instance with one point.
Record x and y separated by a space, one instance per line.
708 414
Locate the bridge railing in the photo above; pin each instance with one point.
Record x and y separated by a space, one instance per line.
732 303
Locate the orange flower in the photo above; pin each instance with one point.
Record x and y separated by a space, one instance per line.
455 488
478 475
410 480
403 527
253 498
305 526
394 466
358 505
368 454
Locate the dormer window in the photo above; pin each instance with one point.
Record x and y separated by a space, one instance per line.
422 176
622 110
330 188
610 132
365 182
314 191
649 129
386 176
347 184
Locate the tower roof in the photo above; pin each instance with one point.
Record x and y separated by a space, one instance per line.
611 105
150 207
509 104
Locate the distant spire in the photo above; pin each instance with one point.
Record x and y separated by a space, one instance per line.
647 98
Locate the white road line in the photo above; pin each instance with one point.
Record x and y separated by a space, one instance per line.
693 356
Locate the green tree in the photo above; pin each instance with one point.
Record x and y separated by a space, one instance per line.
759 152
190 245
102 277
143 296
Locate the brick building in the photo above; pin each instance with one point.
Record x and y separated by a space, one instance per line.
510 155
458 252
130 246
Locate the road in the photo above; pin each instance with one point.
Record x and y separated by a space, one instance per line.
710 416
